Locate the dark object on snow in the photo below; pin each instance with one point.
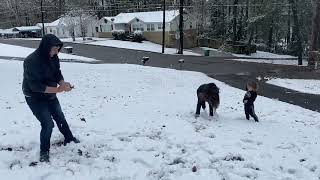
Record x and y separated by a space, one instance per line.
33 164
177 161
6 149
67 141
80 152
194 169
144 60
231 157
208 93
83 119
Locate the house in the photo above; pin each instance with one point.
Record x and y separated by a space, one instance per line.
151 24
151 21
28 31
8 33
65 27
105 24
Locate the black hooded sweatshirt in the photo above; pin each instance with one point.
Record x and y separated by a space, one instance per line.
41 71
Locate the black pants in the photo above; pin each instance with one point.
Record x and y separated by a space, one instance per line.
249 110
45 110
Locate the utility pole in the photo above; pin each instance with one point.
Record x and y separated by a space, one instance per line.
42 17
181 27
163 25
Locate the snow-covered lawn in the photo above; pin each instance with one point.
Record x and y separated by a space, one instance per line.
301 85
271 61
144 46
22 52
261 57
140 126
261 54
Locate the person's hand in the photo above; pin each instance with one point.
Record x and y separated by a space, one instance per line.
66 86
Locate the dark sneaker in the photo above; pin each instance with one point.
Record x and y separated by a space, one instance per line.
44 156
67 141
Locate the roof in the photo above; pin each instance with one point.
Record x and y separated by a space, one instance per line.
147 17
109 18
27 28
7 31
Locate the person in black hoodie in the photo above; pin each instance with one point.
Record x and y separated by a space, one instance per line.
249 99
42 80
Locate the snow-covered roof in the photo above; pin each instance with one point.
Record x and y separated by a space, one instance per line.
109 18
27 28
147 17
7 31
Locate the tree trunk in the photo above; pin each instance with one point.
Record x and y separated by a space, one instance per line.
235 14
270 37
315 37
296 31
288 38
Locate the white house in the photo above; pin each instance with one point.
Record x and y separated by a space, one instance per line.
64 26
151 21
105 24
8 33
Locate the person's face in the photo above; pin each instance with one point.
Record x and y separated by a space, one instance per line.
54 51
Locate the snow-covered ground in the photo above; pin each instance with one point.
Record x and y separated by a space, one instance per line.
280 62
261 54
22 52
144 46
262 57
140 126
301 85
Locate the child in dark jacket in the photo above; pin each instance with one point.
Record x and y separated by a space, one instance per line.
249 99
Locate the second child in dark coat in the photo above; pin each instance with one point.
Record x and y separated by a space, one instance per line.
249 99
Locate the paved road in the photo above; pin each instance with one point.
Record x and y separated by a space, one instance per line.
234 73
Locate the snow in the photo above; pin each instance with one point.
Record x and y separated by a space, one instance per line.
261 54
262 57
108 42
27 28
144 46
310 86
147 17
271 61
140 126
22 52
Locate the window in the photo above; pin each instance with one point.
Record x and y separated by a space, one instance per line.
160 27
97 29
137 27
111 27
150 27
134 27
141 27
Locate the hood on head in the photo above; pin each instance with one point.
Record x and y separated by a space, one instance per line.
47 42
